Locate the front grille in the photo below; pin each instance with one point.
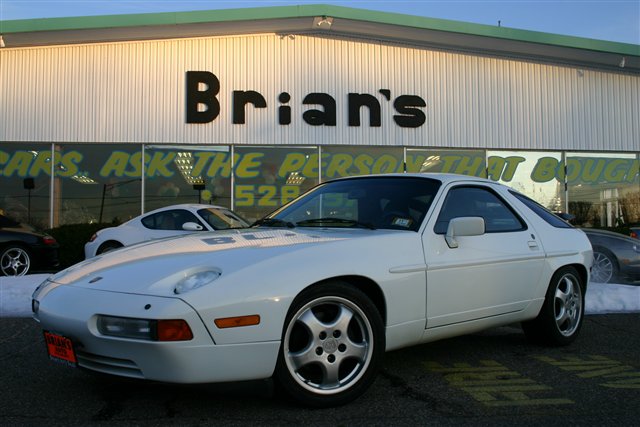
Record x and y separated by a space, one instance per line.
109 365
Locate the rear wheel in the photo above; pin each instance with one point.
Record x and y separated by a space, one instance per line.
332 345
562 313
14 261
108 246
605 267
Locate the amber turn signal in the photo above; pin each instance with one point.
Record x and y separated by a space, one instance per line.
174 330
235 322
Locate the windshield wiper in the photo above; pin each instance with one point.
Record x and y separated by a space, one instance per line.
329 220
273 222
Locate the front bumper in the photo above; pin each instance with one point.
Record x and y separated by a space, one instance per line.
72 312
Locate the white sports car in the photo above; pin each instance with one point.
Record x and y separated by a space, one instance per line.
317 291
168 221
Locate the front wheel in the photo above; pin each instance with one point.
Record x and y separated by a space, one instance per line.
562 313
332 344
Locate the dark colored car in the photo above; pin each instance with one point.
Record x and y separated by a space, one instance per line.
23 249
616 257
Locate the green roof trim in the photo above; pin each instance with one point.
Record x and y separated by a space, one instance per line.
283 12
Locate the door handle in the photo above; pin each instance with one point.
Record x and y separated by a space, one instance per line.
532 244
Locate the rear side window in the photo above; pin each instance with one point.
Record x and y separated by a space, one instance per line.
542 212
481 202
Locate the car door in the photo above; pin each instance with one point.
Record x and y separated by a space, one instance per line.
485 275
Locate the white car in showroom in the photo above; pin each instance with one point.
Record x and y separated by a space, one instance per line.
168 221
317 291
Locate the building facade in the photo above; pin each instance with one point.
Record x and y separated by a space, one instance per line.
104 118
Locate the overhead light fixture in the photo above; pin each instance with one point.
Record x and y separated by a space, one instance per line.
323 22
295 178
2 42
184 162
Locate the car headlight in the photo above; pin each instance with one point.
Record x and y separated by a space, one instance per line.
144 329
196 280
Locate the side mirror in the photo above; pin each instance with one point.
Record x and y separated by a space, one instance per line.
463 226
192 226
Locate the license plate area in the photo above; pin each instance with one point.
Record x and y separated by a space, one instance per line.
60 349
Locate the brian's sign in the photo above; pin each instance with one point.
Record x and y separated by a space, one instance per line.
203 106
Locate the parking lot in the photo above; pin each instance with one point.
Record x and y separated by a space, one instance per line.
494 377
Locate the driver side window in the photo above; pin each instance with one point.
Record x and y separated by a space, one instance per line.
169 220
478 202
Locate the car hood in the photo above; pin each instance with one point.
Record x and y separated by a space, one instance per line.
154 267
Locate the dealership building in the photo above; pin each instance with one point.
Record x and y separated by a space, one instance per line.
102 118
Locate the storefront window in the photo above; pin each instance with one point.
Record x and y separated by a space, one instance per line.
187 174
604 189
25 183
348 161
267 178
538 175
96 183
463 162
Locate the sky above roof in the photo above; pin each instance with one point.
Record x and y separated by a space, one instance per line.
611 20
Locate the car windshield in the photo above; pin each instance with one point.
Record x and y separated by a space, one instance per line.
222 219
397 202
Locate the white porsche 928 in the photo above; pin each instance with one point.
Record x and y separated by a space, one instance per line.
316 292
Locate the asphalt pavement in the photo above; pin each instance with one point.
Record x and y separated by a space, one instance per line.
491 378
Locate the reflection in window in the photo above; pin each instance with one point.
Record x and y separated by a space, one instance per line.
604 189
462 162
536 174
96 183
25 182
338 162
267 178
187 174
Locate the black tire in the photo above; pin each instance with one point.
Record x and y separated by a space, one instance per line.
333 342
562 313
605 266
15 260
108 246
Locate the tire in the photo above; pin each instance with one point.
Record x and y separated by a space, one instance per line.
605 266
333 342
562 313
14 261
108 246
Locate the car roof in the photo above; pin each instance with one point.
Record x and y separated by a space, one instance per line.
194 206
445 178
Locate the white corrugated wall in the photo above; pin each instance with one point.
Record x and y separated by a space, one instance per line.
135 92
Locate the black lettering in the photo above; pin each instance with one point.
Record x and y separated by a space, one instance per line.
242 98
284 112
320 117
207 97
409 117
219 240
359 100
254 237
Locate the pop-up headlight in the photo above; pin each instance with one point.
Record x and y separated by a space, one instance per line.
196 280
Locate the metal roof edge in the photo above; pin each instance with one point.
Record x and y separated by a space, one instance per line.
302 11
